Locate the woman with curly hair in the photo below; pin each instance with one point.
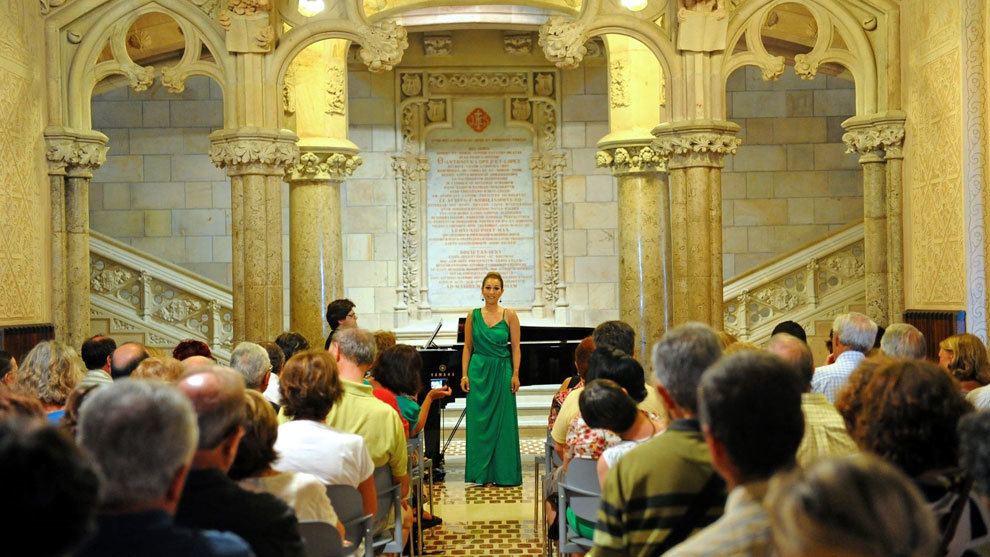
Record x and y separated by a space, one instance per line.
965 357
49 372
907 412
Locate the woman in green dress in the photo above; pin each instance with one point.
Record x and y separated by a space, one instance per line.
490 377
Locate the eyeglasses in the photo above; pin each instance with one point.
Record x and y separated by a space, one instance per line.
352 314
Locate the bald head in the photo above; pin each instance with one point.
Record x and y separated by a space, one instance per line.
126 358
795 352
195 362
217 395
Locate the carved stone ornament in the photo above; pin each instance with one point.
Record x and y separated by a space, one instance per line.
336 100
411 171
547 169
109 280
806 66
248 7
544 85
438 45
74 152
779 298
412 84
521 110
631 159
289 91
595 47
871 140
178 310
48 5
249 33
332 165
467 82
518 44
563 41
382 46
695 147
268 151
845 265
618 81
436 111
212 8
702 25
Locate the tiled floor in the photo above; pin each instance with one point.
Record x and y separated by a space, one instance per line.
482 521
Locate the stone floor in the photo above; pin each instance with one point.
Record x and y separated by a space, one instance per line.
482 521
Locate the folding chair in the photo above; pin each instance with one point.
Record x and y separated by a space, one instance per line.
418 465
321 539
389 540
581 493
349 506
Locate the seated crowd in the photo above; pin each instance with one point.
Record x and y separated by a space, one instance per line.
725 449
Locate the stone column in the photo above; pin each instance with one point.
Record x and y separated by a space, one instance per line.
315 251
644 239
871 137
694 151
72 156
256 160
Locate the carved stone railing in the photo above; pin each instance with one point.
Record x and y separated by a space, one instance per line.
144 297
814 283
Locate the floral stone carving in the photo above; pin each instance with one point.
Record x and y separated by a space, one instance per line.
563 42
382 46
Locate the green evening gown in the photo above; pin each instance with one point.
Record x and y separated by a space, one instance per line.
492 428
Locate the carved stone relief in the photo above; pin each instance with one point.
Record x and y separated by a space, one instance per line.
336 101
975 189
476 82
618 83
563 41
412 84
438 45
518 43
382 46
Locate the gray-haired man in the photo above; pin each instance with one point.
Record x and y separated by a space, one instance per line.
143 435
853 334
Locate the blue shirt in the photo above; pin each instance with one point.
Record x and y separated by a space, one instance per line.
153 534
829 380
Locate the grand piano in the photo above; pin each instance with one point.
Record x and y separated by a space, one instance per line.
547 358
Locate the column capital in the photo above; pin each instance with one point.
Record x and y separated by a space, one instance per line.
632 155
74 152
876 136
696 143
325 163
253 150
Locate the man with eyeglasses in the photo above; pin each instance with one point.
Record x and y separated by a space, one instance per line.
252 362
340 315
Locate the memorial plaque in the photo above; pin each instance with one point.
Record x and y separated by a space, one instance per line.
480 213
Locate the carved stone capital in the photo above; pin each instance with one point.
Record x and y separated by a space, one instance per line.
330 165
382 46
563 41
410 168
695 143
251 150
628 158
875 137
75 153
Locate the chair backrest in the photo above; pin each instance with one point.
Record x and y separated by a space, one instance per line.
583 473
349 506
321 539
388 494
580 493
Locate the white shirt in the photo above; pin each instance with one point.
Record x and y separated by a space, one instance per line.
335 457
271 392
306 494
829 380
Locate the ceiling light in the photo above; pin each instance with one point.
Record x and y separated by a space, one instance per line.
309 8
633 5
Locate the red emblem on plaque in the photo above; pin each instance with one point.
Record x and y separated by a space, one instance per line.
478 119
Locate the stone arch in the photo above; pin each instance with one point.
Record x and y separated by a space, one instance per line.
859 57
84 72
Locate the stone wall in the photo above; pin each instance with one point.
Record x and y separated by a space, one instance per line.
25 203
791 182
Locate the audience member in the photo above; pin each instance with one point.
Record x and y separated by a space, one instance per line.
310 388
277 359
740 346
965 357
824 430
210 498
750 406
908 415
142 435
253 470
974 451
252 362
903 340
70 420
383 341
399 369
606 405
8 367
615 334
582 353
96 353
192 347
197 362
853 335
50 489
163 368
49 372
291 342
649 490
14 405
340 315
126 358
856 506
725 339
849 402
792 328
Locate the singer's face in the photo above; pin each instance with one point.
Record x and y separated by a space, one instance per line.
492 291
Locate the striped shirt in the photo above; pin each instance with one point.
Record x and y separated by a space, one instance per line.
649 489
